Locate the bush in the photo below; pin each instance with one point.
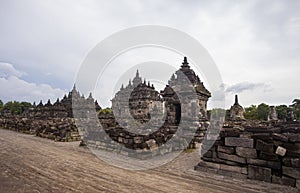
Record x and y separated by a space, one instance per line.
105 111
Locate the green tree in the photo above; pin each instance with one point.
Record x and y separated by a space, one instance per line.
263 111
281 111
1 105
296 103
105 111
251 112
25 106
296 108
16 107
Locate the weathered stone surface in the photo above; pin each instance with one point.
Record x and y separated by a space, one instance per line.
246 152
209 164
263 146
280 137
295 147
292 172
224 149
298 184
268 156
232 174
266 137
284 180
259 173
233 158
264 163
151 144
238 169
262 129
293 137
208 154
295 162
240 142
138 139
280 151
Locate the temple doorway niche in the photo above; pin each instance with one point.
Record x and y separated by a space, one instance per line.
177 113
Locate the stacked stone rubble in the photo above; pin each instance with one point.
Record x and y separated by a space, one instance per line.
266 152
53 128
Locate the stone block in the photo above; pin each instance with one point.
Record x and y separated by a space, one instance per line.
239 142
230 132
268 156
262 136
280 137
227 162
292 172
298 184
224 149
292 147
263 146
237 169
259 173
283 180
232 174
209 164
138 139
264 163
233 158
208 154
293 137
151 144
295 162
280 151
246 152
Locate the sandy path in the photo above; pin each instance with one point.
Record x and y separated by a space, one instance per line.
32 164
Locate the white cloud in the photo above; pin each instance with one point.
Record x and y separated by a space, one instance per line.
7 69
13 87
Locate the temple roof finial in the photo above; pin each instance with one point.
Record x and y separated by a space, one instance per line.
236 101
137 73
90 95
185 62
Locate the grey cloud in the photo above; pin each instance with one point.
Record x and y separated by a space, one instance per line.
7 69
246 86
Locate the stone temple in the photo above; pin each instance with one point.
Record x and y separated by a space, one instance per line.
236 111
139 97
140 100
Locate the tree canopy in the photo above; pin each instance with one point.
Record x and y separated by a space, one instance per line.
251 112
1 105
16 107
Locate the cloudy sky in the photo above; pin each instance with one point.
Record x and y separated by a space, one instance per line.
255 44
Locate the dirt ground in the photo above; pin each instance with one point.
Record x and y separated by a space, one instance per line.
33 164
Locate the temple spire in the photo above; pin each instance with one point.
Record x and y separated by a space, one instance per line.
185 63
137 73
236 101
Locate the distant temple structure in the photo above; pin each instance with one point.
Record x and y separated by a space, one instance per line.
273 114
135 100
140 97
64 108
236 110
140 100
